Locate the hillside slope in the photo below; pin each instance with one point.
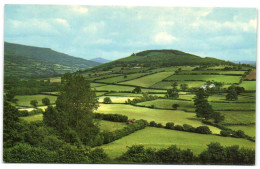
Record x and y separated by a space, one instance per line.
29 61
163 58
100 60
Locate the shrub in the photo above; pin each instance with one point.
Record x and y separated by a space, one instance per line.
225 133
111 117
188 128
203 130
169 125
178 127
240 134
159 125
153 124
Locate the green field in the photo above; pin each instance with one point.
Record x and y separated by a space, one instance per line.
249 130
148 80
25 100
96 84
115 99
119 88
239 117
37 117
159 116
248 85
233 106
122 78
217 78
168 85
222 98
163 138
213 71
110 126
100 93
167 104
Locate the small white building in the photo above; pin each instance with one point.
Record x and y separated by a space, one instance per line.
209 86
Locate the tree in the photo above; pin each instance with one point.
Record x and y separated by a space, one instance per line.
218 117
46 101
10 95
107 100
34 103
184 86
203 108
137 90
77 101
175 106
169 125
232 93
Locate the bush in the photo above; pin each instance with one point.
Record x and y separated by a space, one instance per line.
225 133
169 125
188 128
153 124
111 117
159 125
178 127
239 134
203 130
175 106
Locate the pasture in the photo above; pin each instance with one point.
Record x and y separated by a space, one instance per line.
110 126
249 129
238 117
122 78
24 100
36 117
167 104
163 138
248 85
168 84
216 78
159 116
115 99
149 80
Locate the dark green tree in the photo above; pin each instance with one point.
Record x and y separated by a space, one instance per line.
46 101
232 93
107 100
77 101
34 103
203 108
218 117
175 106
137 90
184 86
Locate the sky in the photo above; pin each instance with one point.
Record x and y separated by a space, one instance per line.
114 32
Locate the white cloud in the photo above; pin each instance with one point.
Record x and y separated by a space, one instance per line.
63 22
94 27
79 9
164 38
165 23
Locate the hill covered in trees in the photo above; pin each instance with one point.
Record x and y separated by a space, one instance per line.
30 61
163 58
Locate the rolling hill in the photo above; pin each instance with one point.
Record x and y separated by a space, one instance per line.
29 61
163 58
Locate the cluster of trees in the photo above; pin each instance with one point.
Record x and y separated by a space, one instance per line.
24 113
130 128
204 109
144 98
233 92
215 154
137 90
36 142
111 117
185 127
173 93
15 86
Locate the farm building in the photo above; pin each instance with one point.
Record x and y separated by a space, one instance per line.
209 86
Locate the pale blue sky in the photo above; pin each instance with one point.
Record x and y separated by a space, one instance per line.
114 32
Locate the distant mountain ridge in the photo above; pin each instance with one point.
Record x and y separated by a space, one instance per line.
28 61
252 63
100 60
